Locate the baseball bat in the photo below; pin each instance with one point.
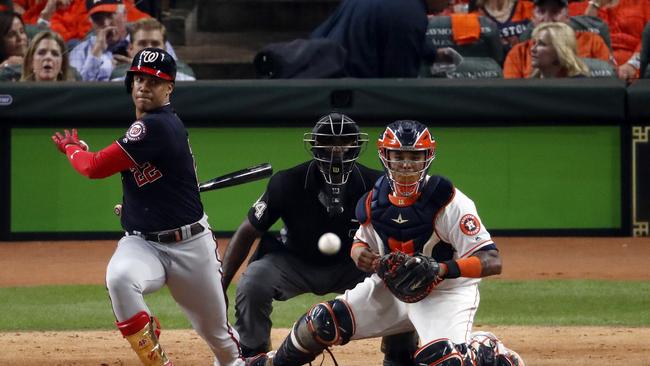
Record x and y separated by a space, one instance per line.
250 174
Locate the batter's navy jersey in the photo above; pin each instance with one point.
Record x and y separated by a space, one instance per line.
292 195
162 192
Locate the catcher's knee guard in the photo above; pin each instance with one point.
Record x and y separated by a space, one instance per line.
398 349
142 332
325 324
443 352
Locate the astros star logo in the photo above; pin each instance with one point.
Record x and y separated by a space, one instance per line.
399 219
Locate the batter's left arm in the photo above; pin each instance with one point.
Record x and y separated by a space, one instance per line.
101 164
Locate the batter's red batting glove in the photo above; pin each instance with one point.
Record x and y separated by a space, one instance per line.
62 141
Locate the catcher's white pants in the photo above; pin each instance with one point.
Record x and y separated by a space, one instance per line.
445 313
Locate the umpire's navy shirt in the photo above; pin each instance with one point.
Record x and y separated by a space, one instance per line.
383 38
162 192
292 195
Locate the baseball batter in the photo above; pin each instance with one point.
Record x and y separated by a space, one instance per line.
167 237
435 224
316 197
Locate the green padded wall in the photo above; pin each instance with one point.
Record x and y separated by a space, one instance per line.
550 177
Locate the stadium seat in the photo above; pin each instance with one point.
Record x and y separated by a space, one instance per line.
487 44
599 68
469 68
582 23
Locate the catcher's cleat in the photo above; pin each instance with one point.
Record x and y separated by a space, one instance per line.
491 351
263 359
510 358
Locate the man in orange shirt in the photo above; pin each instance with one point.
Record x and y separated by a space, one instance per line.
69 18
590 45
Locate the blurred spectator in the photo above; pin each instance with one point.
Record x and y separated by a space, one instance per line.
513 17
626 19
149 33
13 45
589 45
554 52
69 18
6 6
151 7
383 38
96 57
46 59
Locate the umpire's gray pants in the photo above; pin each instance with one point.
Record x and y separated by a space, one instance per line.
281 276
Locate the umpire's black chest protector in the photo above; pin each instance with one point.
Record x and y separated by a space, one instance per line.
405 228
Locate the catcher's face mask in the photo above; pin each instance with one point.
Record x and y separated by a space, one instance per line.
406 149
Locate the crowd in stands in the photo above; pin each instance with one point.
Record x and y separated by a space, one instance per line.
95 40
85 40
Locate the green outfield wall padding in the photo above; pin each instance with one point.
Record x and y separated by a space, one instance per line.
550 177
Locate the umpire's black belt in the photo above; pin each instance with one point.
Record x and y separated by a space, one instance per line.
174 235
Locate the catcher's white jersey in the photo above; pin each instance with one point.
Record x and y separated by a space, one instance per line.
449 310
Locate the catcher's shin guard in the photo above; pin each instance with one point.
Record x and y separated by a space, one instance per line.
326 324
443 352
398 349
142 332
490 351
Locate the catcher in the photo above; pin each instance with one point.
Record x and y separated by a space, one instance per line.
429 249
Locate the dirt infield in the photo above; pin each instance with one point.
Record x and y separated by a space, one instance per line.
37 263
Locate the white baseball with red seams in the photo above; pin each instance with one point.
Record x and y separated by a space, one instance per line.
329 243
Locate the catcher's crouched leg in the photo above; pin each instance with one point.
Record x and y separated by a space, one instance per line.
398 349
325 324
443 352
142 332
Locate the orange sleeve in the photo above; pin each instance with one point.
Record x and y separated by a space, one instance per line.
591 45
32 11
515 66
133 13
73 22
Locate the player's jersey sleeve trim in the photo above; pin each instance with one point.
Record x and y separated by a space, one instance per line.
127 153
476 247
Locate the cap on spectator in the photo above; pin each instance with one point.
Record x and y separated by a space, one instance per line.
6 5
95 6
562 3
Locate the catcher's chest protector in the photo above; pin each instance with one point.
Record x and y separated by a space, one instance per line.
407 228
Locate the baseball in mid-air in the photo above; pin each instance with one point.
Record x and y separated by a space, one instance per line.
329 243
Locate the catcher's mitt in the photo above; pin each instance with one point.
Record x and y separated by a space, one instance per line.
409 278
